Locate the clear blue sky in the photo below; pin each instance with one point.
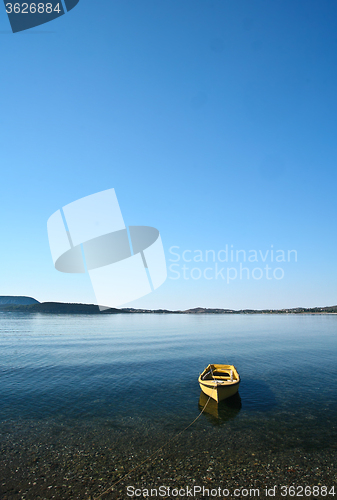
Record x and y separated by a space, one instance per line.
215 122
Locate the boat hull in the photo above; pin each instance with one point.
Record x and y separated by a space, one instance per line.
219 381
219 392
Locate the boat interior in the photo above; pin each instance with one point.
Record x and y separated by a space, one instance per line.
212 373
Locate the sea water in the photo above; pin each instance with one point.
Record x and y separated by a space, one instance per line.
128 384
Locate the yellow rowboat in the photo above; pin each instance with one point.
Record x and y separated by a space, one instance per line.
219 381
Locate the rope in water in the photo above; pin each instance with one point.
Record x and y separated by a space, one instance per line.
153 454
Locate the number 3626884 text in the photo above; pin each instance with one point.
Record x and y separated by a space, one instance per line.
32 8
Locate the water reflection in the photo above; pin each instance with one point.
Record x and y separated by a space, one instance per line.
219 413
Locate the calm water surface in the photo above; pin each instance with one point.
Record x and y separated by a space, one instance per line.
147 366
136 375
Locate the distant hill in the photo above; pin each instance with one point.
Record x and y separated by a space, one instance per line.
30 305
296 310
130 310
203 310
17 300
58 308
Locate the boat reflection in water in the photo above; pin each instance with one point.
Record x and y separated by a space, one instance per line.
219 413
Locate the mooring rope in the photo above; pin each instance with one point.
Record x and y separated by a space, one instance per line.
153 454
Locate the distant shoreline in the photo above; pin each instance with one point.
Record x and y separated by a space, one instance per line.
29 305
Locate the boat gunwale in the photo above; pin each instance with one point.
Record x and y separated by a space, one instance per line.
215 379
215 384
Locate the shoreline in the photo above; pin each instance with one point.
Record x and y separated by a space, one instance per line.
81 460
92 309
